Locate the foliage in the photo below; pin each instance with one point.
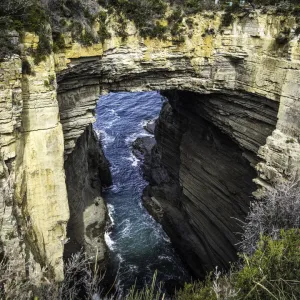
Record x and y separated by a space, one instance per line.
58 42
272 272
198 290
143 13
44 48
152 292
10 11
279 209
81 278
103 32
227 17
87 38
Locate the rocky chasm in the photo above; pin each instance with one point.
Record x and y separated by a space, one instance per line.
232 118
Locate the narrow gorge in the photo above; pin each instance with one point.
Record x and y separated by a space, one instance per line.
229 130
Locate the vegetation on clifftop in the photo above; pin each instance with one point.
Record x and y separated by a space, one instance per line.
87 21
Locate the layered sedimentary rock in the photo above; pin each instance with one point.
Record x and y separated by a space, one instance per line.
242 59
87 171
201 178
35 210
241 69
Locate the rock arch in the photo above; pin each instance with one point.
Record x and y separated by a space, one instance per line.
237 67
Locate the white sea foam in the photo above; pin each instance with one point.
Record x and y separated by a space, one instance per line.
132 137
109 242
133 268
133 159
119 256
144 123
111 117
108 139
104 137
97 131
166 239
116 187
111 211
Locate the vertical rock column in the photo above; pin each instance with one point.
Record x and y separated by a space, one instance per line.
40 182
87 170
281 153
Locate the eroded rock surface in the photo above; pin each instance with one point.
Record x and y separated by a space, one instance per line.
87 171
202 171
250 90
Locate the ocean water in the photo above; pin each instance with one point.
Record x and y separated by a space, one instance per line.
137 244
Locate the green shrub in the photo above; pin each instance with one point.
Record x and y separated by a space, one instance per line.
87 38
143 13
152 292
193 6
58 42
122 28
159 30
198 290
273 271
103 32
176 26
76 29
297 30
43 49
227 17
296 11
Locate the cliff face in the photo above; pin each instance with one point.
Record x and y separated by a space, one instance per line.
203 171
87 171
234 81
36 209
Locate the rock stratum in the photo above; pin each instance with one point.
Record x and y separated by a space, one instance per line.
232 118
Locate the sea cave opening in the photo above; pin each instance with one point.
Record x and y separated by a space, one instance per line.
198 182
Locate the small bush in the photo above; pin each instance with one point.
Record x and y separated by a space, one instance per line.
81 278
43 49
273 271
227 17
198 290
193 6
103 32
283 37
279 209
87 38
58 42
296 11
